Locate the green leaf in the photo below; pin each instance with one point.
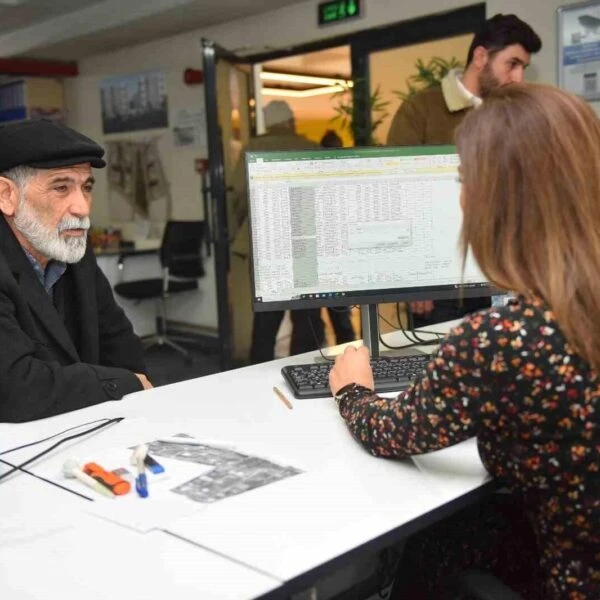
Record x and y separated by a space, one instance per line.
428 75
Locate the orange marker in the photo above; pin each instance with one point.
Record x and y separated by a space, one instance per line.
117 485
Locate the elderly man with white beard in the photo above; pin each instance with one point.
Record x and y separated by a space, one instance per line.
65 342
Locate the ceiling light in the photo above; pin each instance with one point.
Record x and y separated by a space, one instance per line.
330 89
309 79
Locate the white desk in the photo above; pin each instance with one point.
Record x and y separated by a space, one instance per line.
94 559
293 531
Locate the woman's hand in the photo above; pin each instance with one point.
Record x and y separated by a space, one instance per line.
351 367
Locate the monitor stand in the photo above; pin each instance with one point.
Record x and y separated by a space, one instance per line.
369 322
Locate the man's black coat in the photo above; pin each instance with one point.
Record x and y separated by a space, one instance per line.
50 362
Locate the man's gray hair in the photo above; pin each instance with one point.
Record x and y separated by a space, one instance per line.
21 175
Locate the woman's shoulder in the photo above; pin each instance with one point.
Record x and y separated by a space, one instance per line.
520 317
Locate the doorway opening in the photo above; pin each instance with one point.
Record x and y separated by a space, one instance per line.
311 84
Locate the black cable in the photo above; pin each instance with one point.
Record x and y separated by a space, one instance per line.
58 485
401 326
52 436
440 334
414 339
318 344
59 443
412 343
414 332
411 324
411 328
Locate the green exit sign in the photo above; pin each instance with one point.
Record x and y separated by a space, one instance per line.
337 11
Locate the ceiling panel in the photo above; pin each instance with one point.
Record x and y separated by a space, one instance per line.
161 22
17 14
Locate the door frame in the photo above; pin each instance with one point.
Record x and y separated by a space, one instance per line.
217 191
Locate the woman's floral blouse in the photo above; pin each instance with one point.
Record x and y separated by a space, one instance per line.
509 377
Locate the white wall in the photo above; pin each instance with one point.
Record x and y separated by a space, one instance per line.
84 114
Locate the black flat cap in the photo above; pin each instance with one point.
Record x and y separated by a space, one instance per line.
43 144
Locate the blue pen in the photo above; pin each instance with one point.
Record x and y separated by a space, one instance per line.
141 481
141 485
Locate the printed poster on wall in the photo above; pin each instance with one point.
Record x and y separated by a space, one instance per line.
189 129
134 102
579 49
137 182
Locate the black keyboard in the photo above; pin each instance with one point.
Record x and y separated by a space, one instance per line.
391 373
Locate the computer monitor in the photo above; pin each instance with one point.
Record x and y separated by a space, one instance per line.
339 227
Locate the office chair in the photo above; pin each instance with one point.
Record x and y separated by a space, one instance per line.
181 257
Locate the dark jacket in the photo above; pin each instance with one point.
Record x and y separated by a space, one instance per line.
430 116
52 363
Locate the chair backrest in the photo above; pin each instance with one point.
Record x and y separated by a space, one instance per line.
181 248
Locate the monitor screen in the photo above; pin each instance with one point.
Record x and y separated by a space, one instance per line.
356 226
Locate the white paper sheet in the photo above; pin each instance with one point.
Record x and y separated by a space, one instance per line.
453 467
196 474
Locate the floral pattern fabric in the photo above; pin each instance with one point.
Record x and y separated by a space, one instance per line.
508 376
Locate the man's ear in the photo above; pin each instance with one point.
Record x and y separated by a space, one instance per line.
481 57
9 197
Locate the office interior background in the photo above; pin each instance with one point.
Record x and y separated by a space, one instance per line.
74 60
69 59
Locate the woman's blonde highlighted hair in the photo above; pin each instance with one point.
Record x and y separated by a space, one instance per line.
530 165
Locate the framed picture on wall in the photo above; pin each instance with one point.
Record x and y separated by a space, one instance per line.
579 49
134 102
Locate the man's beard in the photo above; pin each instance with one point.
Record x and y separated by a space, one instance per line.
487 81
48 241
